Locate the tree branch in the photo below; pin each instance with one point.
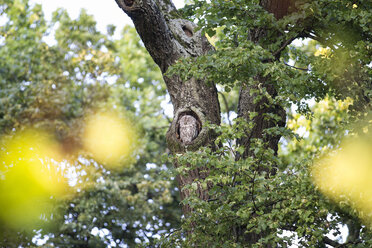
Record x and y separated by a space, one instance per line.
165 35
322 41
227 108
153 29
335 244
283 46
331 242
298 68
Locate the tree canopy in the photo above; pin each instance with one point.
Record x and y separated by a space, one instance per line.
281 95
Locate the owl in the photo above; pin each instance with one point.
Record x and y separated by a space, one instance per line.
188 128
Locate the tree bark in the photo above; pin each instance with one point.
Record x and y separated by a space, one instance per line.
248 104
279 8
169 38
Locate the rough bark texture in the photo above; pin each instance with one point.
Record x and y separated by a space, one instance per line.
168 38
279 8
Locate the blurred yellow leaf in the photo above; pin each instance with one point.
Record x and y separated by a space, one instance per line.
323 52
30 177
108 138
346 176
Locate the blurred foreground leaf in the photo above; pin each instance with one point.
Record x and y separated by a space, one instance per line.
30 178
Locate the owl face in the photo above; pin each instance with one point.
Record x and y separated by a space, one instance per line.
188 128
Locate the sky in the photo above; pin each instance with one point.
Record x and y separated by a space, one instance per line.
105 12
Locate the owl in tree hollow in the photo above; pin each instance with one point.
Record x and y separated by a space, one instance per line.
188 128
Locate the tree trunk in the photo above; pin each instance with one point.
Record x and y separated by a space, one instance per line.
279 8
167 39
248 104
261 103
258 99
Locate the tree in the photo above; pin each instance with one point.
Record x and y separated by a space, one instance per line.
233 195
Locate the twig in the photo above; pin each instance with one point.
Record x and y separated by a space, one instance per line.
284 45
227 107
331 242
322 40
298 68
171 232
252 192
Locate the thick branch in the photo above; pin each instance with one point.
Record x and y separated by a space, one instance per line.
166 36
331 242
153 30
248 99
335 244
248 104
283 46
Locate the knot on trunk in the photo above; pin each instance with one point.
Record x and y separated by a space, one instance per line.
129 3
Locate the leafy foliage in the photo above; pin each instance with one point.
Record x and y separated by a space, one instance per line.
268 198
55 84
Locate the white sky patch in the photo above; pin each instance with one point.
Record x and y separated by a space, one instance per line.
150 166
100 232
104 12
167 106
302 132
300 42
38 240
310 102
342 237
3 20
